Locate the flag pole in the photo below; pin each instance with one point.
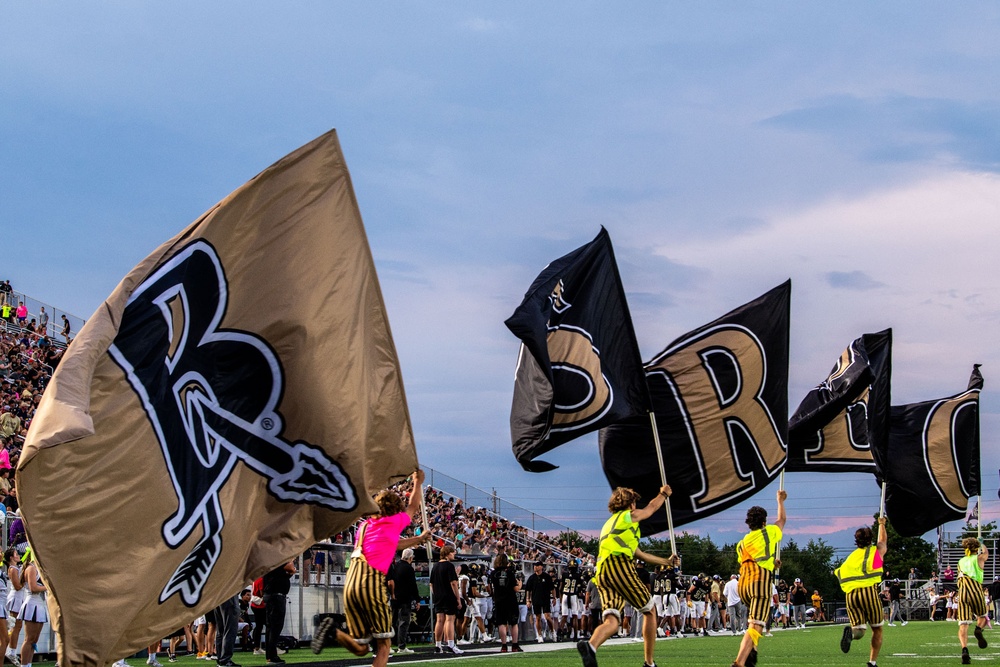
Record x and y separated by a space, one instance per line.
777 549
979 519
881 502
663 480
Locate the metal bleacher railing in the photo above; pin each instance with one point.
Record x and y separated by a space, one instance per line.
55 324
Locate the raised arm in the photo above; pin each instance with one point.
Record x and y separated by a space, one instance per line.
780 521
418 493
883 539
654 504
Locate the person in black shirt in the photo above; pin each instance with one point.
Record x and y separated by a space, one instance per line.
573 587
447 599
277 583
895 603
405 596
540 587
505 585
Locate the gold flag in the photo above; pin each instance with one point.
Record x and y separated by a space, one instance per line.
235 399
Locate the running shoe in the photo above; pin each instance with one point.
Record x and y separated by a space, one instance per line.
846 639
587 654
978 632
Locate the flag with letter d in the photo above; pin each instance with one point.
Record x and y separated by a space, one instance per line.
932 460
836 423
579 366
234 400
720 396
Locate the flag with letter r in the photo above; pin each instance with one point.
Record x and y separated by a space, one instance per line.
931 464
835 424
579 366
720 396
234 400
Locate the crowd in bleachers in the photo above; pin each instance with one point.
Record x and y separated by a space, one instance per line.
27 358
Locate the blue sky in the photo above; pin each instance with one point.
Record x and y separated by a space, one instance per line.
726 147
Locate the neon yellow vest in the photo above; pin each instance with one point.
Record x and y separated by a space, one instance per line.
859 569
969 566
759 546
620 535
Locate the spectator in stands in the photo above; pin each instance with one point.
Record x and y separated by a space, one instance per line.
66 328
21 313
860 576
43 320
10 423
948 576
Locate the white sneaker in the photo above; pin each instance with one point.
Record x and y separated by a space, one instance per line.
258 651
153 662
122 663
282 651
463 642
892 625
404 651
660 632
540 639
14 658
455 650
905 622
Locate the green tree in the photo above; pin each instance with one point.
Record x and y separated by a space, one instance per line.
990 533
813 564
698 554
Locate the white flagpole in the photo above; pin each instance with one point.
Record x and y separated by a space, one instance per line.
979 519
663 480
881 503
777 549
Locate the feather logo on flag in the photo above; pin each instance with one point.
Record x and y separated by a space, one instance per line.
169 337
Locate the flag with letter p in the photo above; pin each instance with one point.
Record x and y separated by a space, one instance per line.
234 400
931 464
720 396
579 366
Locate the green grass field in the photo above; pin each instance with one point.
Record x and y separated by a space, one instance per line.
919 643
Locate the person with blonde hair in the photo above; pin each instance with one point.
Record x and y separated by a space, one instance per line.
34 611
971 601
617 581
366 593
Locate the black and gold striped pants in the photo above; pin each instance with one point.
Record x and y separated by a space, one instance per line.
971 601
618 584
864 607
366 601
755 591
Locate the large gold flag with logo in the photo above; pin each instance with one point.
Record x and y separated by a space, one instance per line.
235 399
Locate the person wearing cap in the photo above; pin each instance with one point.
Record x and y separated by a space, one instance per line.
717 617
405 597
800 598
756 555
617 580
860 577
971 603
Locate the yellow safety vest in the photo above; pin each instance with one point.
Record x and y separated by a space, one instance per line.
969 567
759 546
859 569
618 536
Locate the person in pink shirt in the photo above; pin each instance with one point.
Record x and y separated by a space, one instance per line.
366 596
21 313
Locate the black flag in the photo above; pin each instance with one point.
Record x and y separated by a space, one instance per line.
720 395
835 425
932 461
579 366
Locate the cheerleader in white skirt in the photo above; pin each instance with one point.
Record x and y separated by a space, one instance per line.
15 599
4 638
34 612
